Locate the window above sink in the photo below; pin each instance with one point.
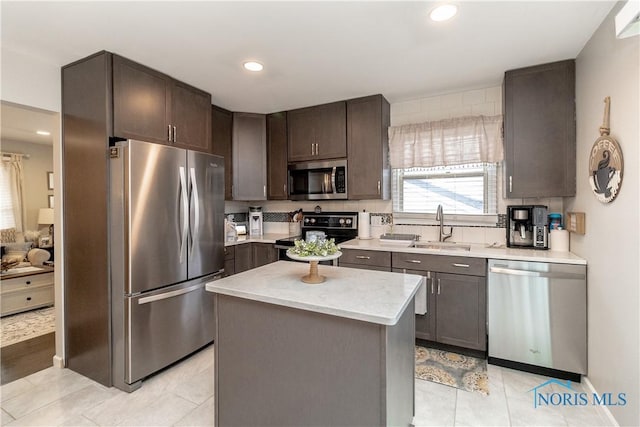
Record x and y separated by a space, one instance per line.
461 190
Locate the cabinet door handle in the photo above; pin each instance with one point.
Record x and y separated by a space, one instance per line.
460 265
362 257
312 149
378 188
317 151
28 282
28 298
438 286
175 134
510 183
170 134
432 280
264 190
414 261
284 189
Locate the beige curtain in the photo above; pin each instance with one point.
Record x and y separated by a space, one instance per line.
448 142
12 209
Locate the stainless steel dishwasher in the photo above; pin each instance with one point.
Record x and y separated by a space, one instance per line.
537 316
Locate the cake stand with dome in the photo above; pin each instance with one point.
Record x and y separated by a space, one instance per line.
313 277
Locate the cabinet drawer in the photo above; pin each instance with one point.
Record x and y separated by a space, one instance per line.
26 282
440 263
369 258
16 302
365 267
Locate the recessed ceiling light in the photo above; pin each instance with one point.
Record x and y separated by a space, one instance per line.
253 66
43 132
443 12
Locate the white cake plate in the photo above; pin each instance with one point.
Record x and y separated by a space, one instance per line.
313 277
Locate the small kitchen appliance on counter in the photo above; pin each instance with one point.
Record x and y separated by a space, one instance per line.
527 226
255 221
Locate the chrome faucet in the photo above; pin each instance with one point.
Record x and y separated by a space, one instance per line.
442 236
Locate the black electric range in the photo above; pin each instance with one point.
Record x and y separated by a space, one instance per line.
340 226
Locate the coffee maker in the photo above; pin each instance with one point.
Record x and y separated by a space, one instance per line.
255 221
527 227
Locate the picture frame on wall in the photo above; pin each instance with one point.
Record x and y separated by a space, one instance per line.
50 198
49 180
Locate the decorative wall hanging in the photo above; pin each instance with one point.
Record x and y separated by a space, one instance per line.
605 162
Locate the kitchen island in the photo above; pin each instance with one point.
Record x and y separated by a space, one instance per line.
333 354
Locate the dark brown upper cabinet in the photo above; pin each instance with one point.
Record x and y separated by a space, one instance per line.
540 131
249 156
141 101
152 106
317 133
190 117
221 140
368 170
277 156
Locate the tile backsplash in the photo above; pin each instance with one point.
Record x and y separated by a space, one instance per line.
276 216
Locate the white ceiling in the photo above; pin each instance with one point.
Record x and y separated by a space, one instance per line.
20 123
313 52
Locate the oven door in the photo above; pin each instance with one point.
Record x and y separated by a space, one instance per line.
282 256
282 252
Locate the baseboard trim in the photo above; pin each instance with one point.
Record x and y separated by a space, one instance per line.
58 362
605 413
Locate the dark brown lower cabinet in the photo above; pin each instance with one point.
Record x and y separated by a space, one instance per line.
425 323
460 310
245 256
229 260
263 254
242 261
456 309
366 260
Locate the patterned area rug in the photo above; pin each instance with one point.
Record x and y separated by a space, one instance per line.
23 326
452 369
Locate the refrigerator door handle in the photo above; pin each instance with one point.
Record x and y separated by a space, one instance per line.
170 294
196 202
185 214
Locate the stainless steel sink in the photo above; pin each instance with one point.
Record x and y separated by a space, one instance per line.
449 246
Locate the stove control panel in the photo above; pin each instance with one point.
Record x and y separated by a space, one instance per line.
335 220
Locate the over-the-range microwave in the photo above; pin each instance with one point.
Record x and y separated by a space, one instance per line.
324 180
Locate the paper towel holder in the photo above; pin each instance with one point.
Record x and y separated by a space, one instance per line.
364 225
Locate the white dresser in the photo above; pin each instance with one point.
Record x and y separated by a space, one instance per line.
22 292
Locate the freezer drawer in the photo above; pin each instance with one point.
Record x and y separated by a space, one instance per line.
537 314
166 325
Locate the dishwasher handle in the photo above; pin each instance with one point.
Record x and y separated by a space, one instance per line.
530 273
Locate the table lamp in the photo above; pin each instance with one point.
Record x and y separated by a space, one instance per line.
45 217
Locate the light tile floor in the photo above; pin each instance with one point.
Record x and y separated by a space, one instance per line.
183 396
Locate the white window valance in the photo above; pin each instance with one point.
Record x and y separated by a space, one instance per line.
462 140
12 209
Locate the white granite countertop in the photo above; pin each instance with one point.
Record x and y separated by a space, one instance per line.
265 238
370 296
477 251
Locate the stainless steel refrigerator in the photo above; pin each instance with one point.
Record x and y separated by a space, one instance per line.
166 242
